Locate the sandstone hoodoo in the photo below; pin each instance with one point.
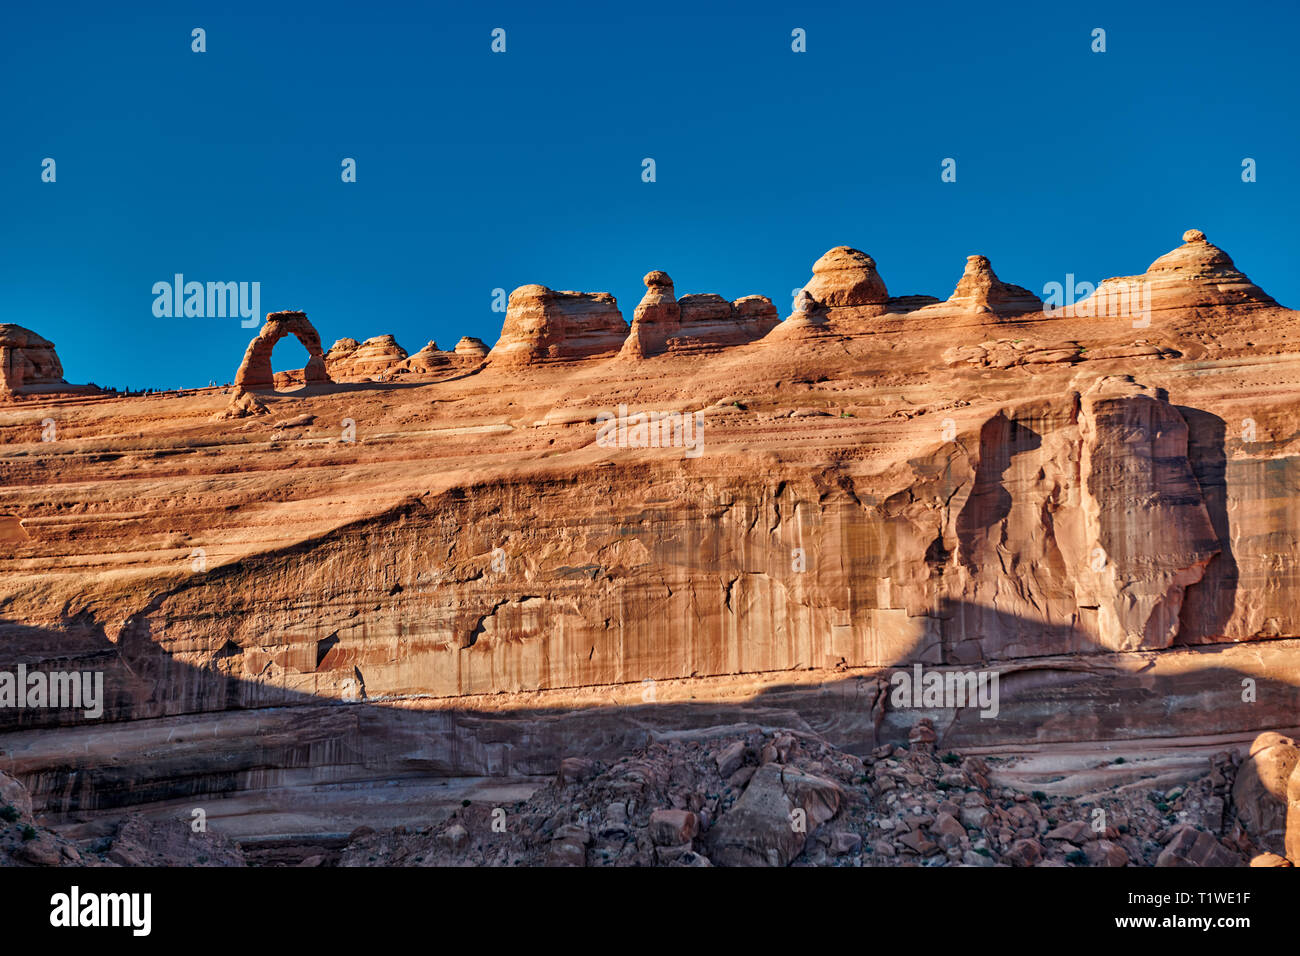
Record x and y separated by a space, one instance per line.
846 296
546 326
846 277
255 370
656 319
655 658
980 290
471 347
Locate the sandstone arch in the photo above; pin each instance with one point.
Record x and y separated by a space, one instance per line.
255 369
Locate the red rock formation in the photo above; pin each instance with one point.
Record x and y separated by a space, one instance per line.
429 360
472 347
709 321
255 370
843 297
846 277
29 365
1197 274
350 361
980 290
546 326
27 360
656 319
696 322
1105 522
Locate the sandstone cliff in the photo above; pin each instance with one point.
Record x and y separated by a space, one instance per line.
459 582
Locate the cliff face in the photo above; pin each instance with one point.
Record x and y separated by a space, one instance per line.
460 579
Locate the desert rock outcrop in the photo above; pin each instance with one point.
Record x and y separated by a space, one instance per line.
460 586
428 360
656 319
546 326
695 322
352 361
472 347
980 290
710 321
846 277
29 364
1197 274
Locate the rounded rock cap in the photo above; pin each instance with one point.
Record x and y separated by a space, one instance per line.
1194 235
530 289
657 278
846 277
843 257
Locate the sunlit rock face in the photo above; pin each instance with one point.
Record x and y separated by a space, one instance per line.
445 574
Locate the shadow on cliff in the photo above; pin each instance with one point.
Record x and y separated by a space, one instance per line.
228 734
1208 605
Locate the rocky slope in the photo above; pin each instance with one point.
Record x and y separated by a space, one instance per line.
329 606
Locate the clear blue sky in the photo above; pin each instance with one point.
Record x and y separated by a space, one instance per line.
479 170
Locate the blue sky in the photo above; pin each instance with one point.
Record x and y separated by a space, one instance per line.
478 170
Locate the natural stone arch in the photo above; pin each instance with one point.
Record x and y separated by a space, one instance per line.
255 369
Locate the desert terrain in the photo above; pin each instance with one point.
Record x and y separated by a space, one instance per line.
633 592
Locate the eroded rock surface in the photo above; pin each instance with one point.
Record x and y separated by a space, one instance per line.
455 581
545 326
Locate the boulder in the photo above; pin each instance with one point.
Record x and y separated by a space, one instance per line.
1260 791
762 828
1292 841
673 827
1193 847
